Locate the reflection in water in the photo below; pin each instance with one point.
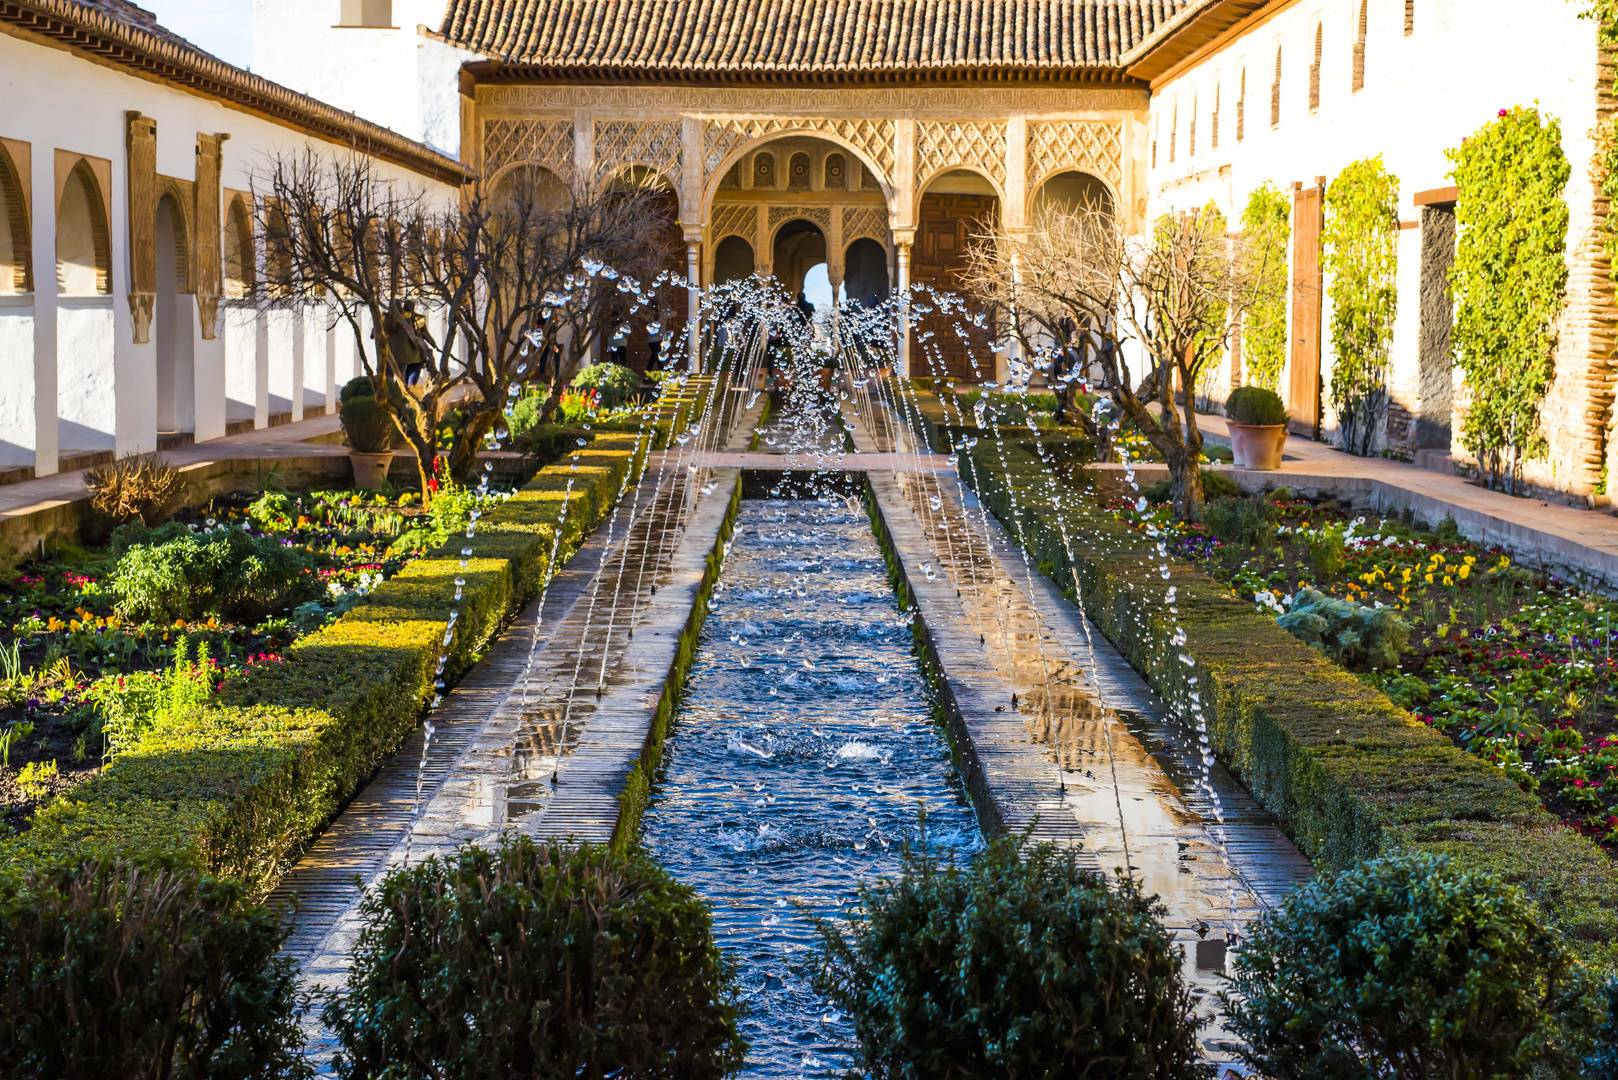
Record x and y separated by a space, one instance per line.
797 766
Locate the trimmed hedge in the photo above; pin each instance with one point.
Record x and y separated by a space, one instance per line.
1349 775
244 784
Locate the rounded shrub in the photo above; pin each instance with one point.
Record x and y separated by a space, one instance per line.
1255 405
357 387
1023 964
536 960
368 427
615 383
127 970
1408 967
226 572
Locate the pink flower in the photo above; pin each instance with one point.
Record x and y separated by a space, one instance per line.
1504 112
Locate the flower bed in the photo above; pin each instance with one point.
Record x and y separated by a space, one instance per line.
1515 667
1348 773
242 780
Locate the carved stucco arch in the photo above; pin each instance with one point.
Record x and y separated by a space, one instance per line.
789 129
1112 188
22 244
926 182
782 216
185 229
507 169
1086 146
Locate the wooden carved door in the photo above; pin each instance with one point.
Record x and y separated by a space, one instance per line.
945 227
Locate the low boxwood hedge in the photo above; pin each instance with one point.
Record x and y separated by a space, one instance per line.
244 784
1348 774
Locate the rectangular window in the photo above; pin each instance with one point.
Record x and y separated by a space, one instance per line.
1410 17
373 13
1213 122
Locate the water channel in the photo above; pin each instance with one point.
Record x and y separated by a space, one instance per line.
799 762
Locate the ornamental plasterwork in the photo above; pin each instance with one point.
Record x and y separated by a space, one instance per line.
1057 145
736 220
978 143
873 138
541 142
889 102
859 221
820 215
653 143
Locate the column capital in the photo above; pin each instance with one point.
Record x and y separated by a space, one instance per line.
903 238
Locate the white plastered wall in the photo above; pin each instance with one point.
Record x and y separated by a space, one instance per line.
86 384
1423 93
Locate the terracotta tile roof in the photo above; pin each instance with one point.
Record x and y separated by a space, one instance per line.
813 40
121 35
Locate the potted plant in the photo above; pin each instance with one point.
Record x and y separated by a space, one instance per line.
370 438
1258 427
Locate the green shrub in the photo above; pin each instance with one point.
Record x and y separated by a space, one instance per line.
1248 522
1255 405
133 704
357 387
368 427
272 512
1447 532
1352 634
614 383
225 572
1602 1061
1023 964
135 533
1408 968
536 960
142 970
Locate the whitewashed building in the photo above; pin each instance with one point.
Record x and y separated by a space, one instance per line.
127 162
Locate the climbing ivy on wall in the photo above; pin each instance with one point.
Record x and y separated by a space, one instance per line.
1509 282
1361 258
1267 228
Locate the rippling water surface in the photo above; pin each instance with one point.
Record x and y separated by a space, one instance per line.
799 762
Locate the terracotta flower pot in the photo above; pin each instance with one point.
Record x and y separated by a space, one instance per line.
1257 446
370 470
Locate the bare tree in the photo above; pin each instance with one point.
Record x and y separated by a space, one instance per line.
524 279
1075 280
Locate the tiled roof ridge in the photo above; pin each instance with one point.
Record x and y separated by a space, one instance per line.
827 38
103 29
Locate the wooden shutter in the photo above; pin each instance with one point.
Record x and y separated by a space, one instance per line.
1303 383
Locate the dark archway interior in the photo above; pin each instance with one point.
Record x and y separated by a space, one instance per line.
732 260
865 272
798 246
1070 191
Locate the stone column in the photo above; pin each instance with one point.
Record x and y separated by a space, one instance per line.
42 167
902 239
693 275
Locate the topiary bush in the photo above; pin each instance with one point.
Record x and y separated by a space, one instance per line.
536 960
143 970
225 572
1407 968
1255 405
1023 964
615 383
1352 634
368 427
358 386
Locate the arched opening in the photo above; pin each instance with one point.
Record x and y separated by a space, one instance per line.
799 245
16 257
1275 92
171 322
958 207
238 250
836 172
531 185
865 272
1070 192
733 260
798 172
1314 68
83 253
1359 46
643 340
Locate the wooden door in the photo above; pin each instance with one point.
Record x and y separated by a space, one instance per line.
1303 382
944 228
